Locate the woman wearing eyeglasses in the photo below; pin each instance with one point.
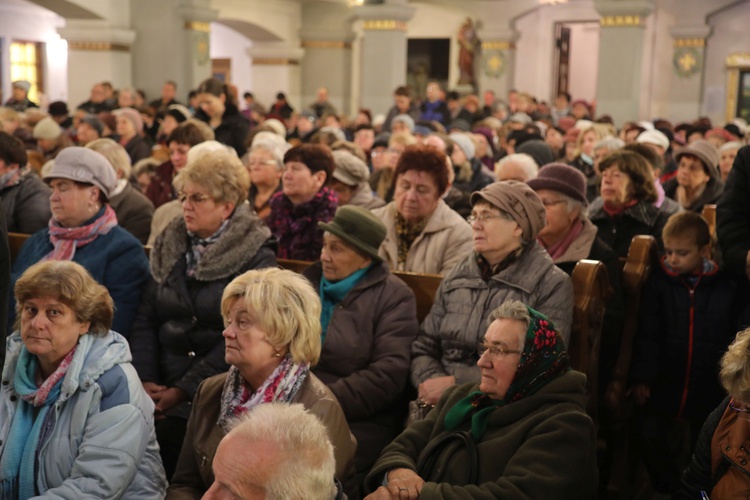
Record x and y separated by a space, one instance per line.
176 339
519 431
507 264
720 467
265 163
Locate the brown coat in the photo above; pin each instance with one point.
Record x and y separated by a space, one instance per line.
194 473
444 242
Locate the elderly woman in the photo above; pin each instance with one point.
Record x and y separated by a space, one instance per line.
84 229
350 182
304 201
626 205
520 431
176 337
719 467
728 153
133 210
265 163
369 322
219 109
272 339
130 130
424 234
507 263
74 419
698 181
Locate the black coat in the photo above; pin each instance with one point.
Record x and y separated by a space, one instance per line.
733 215
26 204
710 194
683 330
176 339
232 130
619 231
137 149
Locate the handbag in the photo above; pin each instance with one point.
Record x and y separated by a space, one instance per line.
418 410
427 461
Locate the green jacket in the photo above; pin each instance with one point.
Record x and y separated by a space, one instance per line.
543 446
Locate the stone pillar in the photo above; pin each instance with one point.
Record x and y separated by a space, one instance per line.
172 44
97 52
383 51
276 68
687 70
327 63
621 45
494 67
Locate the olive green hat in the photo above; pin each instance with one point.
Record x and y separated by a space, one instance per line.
358 227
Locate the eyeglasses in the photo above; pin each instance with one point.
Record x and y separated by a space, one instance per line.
486 216
495 350
195 198
738 409
551 203
253 163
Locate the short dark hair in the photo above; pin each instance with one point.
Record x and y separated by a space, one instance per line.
638 171
566 95
12 150
649 154
186 133
688 224
248 94
364 126
452 96
403 91
316 157
424 159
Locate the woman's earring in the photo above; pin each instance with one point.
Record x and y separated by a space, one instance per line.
278 354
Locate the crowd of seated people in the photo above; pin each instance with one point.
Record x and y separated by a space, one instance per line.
198 329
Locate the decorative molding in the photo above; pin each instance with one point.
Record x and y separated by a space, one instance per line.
689 42
738 60
498 45
620 21
198 26
384 25
275 61
325 44
98 46
687 61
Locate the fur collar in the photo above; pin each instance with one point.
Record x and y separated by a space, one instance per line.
240 242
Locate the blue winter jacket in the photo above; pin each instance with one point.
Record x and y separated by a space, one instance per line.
101 441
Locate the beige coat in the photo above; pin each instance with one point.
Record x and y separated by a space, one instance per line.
445 240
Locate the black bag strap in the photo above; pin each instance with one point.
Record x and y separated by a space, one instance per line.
432 451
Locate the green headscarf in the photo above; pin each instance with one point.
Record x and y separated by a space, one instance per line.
543 359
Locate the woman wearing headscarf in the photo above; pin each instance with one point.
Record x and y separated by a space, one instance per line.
84 229
271 342
520 432
507 263
368 321
176 338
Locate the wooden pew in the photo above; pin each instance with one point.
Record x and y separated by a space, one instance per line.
709 213
590 290
15 242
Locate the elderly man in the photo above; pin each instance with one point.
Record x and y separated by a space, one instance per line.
322 107
20 100
97 102
277 450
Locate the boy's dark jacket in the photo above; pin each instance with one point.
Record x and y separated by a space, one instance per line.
681 338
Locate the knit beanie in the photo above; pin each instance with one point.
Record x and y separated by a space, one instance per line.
519 201
561 178
133 116
539 150
705 152
47 128
464 142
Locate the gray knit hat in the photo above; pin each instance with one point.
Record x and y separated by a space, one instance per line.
22 84
83 165
406 120
705 152
47 128
464 142
358 227
519 201
349 169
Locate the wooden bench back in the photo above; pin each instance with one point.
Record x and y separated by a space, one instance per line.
15 242
709 213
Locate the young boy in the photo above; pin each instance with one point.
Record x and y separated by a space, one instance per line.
687 319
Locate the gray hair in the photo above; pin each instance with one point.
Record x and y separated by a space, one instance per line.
572 204
611 143
526 162
730 146
276 150
304 450
515 310
114 153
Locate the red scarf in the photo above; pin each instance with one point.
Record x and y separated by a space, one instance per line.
612 211
67 239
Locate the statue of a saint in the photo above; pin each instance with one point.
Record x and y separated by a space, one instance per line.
468 43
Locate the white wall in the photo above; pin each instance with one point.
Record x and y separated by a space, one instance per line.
26 22
228 44
584 54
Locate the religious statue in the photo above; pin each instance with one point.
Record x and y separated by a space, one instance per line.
468 43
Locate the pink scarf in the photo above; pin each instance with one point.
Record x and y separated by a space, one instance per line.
558 249
67 239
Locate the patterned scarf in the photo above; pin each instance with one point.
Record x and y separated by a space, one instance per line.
67 239
198 247
543 359
488 271
296 226
17 465
407 232
333 293
237 397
